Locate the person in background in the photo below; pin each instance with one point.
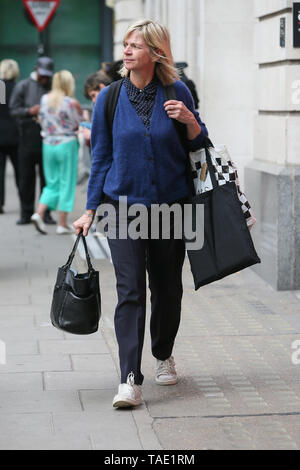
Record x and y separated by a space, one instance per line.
92 87
24 107
112 69
60 115
9 138
94 84
189 83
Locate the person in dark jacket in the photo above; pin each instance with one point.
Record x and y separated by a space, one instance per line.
9 72
24 107
189 83
112 69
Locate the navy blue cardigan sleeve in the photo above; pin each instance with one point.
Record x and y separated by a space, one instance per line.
183 94
101 148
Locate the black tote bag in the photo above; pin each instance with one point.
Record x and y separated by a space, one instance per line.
228 245
76 303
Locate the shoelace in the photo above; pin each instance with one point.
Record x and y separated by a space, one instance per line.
127 388
132 391
166 367
130 379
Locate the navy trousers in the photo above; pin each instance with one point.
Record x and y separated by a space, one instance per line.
163 260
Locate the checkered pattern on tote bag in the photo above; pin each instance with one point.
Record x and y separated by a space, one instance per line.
225 171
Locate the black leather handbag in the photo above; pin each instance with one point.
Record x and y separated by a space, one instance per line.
76 303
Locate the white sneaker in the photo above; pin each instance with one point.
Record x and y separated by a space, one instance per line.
60 230
165 372
39 223
129 394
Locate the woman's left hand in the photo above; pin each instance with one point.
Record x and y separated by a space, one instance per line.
178 110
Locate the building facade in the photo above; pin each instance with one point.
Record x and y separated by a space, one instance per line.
247 71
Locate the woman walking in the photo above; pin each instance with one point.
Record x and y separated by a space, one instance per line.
9 137
60 115
144 160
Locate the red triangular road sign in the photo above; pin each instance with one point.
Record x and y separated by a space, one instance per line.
41 11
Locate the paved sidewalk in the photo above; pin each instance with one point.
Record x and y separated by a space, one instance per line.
238 387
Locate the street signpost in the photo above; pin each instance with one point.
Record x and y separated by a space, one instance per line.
41 11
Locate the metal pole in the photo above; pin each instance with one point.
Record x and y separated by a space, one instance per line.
41 47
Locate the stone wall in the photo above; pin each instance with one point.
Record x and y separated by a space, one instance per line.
249 89
273 176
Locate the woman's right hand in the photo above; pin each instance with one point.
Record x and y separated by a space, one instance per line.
83 223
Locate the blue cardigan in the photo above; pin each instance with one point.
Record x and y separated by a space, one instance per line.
146 166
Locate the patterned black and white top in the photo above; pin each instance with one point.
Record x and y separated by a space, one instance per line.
142 100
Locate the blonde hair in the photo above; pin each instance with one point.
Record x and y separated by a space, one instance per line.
157 38
63 84
9 69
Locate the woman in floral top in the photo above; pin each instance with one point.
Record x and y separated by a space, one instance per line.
60 115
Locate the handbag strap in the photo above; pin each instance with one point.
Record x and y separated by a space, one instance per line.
170 94
211 168
72 254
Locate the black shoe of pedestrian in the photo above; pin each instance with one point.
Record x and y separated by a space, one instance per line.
48 219
24 221
1 210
